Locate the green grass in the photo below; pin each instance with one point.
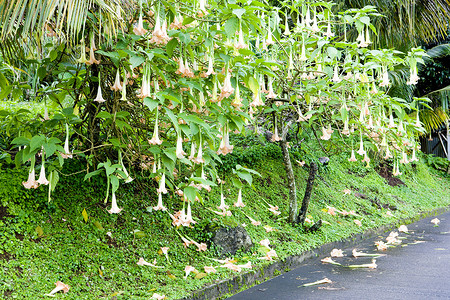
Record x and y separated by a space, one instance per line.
95 266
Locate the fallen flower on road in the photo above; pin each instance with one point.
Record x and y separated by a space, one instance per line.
392 239
325 280
356 253
336 253
329 260
436 221
403 228
381 246
372 265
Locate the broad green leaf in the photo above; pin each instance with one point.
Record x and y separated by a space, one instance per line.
171 45
136 61
36 142
104 115
20 141
49 149
151 103
239 12
253 84
231 26
190 193
114 183
89 175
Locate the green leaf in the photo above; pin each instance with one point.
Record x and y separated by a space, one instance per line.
365 20
190 193
17 93
239 12
41 72
3 81
20 141
5 91
151 103
136 61
89 175
114 183
49 149
54 178
171 45
253 84
231 26
36 142
104 115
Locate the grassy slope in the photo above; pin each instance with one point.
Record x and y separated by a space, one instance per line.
95 265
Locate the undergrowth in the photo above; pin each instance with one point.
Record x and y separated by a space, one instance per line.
42 242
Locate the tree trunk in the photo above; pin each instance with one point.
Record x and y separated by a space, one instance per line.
448 140
291 182
309 185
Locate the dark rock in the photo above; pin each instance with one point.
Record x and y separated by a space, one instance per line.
362 196
232 239
324 160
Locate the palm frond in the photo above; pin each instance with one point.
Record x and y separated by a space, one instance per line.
67 17
432 119
407 22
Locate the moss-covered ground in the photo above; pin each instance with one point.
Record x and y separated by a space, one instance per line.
41 243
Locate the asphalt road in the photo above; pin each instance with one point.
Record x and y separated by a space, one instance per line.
419 268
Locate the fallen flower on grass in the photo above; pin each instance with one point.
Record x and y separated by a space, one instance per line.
403 228
274 210
209 269
60 286
331 211
231 266
164 251
337 253
142 262
322 281
329 260
188 270
268 228
254 222
389 213
158 296
372 265
347 213
265 243
225 213
436 221
269 256
200 246
347 192
357 222
381 246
